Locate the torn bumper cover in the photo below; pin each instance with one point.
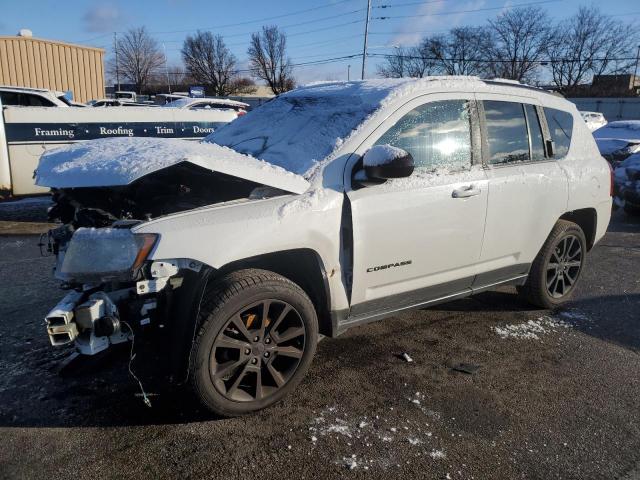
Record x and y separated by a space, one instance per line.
99 316
93 324
116 290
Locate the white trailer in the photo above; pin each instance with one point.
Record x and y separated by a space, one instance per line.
26 132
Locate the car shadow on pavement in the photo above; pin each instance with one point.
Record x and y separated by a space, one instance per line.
613 318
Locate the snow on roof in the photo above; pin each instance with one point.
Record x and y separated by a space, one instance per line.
185 102
302 127
120 161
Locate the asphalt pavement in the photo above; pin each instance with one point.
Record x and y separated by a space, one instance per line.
496 390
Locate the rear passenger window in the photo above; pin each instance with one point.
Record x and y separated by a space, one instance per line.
437 134
535 133
560 126
506 132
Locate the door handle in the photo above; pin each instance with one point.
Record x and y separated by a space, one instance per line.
465 192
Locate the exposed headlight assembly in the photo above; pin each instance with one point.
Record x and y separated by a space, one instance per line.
104 254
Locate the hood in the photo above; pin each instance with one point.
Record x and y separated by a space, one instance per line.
113 162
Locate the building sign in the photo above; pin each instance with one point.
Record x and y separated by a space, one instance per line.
64 132
196 92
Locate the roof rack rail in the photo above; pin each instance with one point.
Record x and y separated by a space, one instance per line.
517 84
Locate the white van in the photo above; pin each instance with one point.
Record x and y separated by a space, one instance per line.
27 132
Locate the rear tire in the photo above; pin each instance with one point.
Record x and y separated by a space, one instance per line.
557 268
257 337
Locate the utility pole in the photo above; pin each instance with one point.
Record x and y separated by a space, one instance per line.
166 66
115 49
366 34
348 72
635 71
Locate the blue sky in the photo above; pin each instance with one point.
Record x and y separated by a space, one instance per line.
325 29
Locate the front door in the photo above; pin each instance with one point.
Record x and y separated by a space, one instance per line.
419 238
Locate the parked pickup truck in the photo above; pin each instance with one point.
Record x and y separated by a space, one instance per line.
333 205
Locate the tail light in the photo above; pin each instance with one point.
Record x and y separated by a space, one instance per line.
241 113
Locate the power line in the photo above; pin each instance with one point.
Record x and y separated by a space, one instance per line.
91 39
323 29
327 42
403 32
300 64
293 25
473 60
271 18
468 11
409 4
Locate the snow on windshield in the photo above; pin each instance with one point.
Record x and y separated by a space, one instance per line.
304 126
295 132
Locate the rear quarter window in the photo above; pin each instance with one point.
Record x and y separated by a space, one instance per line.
561 128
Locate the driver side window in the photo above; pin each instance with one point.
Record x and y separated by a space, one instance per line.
436 134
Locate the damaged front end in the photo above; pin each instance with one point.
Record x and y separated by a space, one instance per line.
102 191
115 291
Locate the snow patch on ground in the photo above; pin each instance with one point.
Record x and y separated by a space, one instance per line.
532 329
437 454
374 433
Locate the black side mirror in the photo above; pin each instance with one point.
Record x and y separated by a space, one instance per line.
384 162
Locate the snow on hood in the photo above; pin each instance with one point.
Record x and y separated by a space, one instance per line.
305 126
623 130
119 161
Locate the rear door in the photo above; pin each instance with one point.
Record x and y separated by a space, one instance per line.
418 238
527 188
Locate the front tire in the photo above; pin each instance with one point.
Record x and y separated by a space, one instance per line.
257 337
557 268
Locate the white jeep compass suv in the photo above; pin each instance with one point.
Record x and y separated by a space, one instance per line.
330 206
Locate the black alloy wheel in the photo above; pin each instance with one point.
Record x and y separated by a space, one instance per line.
563 268
257 351
257 335
557 268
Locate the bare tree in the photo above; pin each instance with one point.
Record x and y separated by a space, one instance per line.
243 85
139 57
268 59
210 62
394 66
419 63
407 62
520 40
461 51
589 43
